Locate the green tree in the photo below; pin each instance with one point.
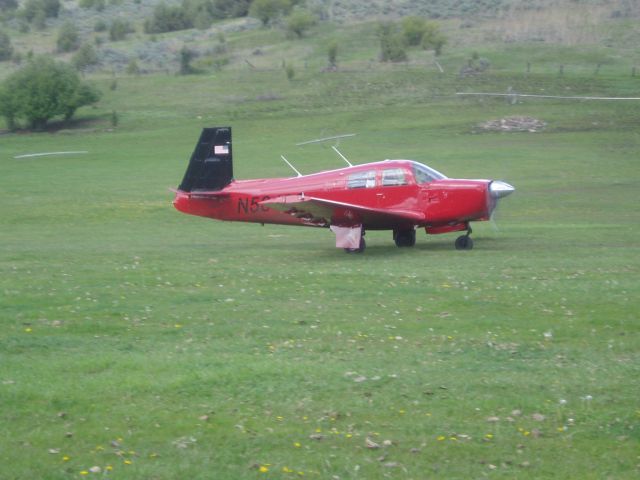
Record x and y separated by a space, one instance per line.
269 10
186 56
391 43
68 37
413 29
41 90
299 22
433 38
6 50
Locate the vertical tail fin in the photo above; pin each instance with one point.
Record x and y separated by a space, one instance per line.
211 164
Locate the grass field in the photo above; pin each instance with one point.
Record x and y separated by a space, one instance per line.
154 345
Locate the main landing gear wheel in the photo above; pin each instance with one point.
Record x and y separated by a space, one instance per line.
360 249
464 242
404 238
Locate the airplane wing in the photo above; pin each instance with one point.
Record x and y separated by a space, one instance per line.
322 211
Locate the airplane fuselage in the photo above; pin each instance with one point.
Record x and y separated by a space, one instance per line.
438 203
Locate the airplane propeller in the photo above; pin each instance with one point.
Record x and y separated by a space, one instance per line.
497 190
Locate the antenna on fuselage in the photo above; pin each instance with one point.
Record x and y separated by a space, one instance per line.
341 155
318 140
292 167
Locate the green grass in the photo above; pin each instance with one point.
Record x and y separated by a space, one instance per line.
167 346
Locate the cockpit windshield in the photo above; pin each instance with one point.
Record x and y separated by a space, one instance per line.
424 174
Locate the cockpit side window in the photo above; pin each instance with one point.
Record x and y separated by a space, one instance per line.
393 176
362 179
423 175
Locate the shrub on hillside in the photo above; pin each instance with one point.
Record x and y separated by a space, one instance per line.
199 12
299 22
433 39
391 43
8 5
41 90
230 8
100 26
413 29
418 31
194 13
6 49
167 19
96 4
119 29
269 10
85 57
68 38
332 53
40 8
186 56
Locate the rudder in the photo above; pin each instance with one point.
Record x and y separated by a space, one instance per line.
211 164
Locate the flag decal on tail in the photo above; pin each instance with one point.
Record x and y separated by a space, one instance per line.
221 150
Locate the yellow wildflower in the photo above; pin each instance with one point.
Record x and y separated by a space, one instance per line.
297 444
263 469
84 472
66 458
108 468
441 438
128 462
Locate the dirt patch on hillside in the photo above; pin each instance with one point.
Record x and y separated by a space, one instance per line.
512 124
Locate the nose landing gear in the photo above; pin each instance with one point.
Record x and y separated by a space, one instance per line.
464 242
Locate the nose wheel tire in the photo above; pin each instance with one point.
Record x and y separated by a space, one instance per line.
464 242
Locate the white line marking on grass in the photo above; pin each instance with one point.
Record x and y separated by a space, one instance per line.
30 155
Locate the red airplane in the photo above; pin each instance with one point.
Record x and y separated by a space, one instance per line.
397 195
